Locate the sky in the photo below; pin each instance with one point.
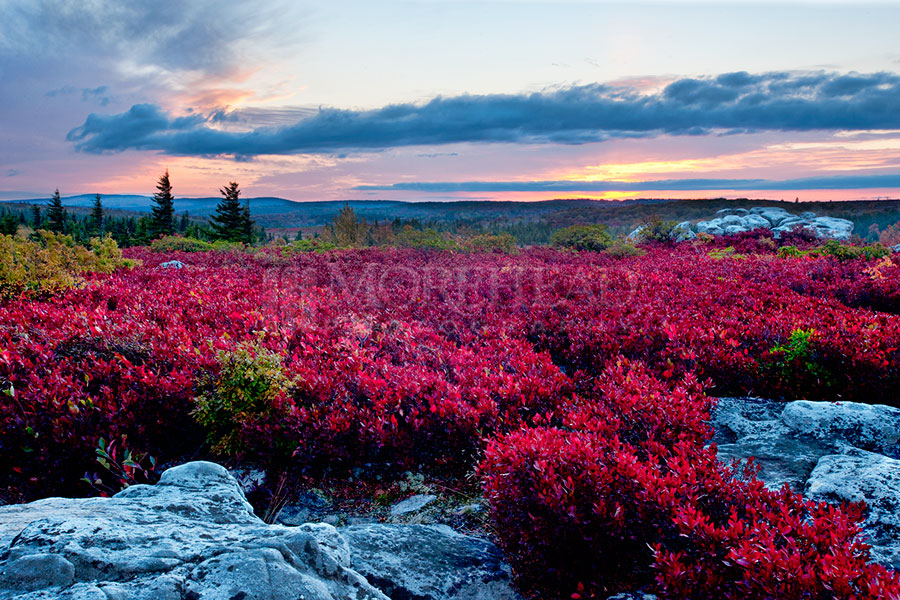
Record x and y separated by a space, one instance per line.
444 100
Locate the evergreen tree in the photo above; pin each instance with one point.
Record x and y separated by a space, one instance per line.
9 223
96 223
247 223
163 215
36 217
228 222
185 221
56 214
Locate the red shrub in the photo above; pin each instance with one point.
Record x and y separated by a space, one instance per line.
623 501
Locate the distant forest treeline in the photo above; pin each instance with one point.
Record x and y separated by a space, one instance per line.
527 222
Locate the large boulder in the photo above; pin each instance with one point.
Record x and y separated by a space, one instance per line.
860 476
713 227
428 562
835 452
193 535
683 232
873 427
831 227
739 220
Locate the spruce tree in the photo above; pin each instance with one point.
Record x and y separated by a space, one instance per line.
162 219
247 223
56 214
97 216
228 222
36 218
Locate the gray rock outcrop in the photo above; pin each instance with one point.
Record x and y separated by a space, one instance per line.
172 264
738 220
193 536
835 452
428 562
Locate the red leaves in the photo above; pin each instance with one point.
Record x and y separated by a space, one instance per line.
628 496
580 368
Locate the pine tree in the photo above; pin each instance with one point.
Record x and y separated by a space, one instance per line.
36 217
247 223
228 222
56 214
163 215
96 224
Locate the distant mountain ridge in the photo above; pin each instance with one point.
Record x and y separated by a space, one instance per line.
280 212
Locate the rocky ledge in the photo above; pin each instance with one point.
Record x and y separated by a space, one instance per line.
193 536
778 220
837 452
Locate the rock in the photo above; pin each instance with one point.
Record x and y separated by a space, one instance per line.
633 596
756 222
636 236
192 535
305 506
873 427
172 264
895 248
772 214
746 427
428 562
711 227
683 232
831 227
829 451
738 220
412 504
864 476
732 211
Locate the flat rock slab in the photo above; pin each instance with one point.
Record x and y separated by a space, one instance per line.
412 504
428 562
828 451
193 536
871 478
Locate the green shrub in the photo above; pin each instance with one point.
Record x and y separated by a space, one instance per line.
838 251
301 246
657 230
582 237
176 243
48 262
486 242
791 252
423 239
796 359
622 249
726 252
841 251
248 394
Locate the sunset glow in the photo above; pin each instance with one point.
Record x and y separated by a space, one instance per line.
308 102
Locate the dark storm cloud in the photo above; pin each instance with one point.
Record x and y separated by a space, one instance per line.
731 103
851 182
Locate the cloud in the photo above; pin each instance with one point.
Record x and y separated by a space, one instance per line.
844 182
170 35
730 103
98 94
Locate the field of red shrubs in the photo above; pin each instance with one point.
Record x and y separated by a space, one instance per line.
577 386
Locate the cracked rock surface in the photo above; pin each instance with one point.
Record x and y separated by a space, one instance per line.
193 536
828 451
